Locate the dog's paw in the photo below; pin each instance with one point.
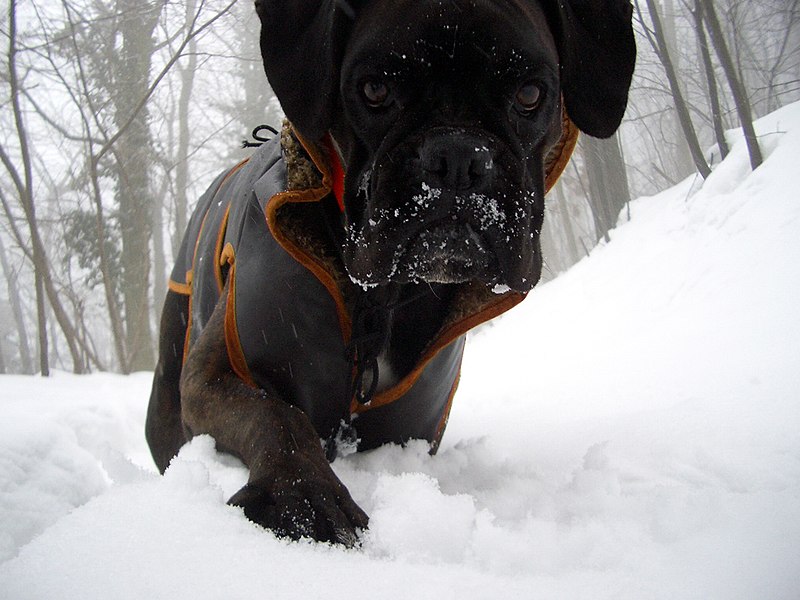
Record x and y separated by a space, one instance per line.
303 507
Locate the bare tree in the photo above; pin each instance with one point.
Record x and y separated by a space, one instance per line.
110 88
608 184
709 17
133 159
659 44
182 159
670 20
765 42
711 79
23 183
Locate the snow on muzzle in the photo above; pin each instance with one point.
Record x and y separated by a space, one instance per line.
445 236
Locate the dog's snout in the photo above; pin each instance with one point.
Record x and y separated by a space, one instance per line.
456 160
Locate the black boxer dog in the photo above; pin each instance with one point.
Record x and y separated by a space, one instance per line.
402 207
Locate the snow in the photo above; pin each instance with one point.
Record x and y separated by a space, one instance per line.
630 431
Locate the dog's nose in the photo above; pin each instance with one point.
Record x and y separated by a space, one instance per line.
456 160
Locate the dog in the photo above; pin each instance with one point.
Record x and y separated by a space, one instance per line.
324 287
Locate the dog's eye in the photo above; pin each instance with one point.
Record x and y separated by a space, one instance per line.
528 97
376 93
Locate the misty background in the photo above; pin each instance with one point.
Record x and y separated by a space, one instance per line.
117 114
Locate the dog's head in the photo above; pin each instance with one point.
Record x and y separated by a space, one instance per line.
443 113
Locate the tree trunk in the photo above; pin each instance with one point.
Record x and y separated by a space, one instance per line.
660 46
25 189
112 305
569 229
182 158
608 182
681 155
159 258
737 89
133 153
41 319
16 310
711 81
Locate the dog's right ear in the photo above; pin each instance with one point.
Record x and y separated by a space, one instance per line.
302 42
597 54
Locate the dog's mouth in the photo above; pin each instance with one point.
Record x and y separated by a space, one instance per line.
447 252
477 240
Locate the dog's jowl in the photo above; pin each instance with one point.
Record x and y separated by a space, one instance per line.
324 286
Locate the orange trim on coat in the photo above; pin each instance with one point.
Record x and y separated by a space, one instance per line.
232 342
184 289
218 264
317 269
189 273
450 334
230 173
227 255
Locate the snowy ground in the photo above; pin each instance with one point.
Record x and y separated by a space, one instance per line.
631 431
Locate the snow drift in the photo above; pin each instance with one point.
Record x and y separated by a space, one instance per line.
629 431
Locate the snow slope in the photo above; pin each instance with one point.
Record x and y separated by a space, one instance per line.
630 431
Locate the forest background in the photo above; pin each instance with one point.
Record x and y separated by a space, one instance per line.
116 114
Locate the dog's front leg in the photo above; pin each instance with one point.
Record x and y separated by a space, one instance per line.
292 489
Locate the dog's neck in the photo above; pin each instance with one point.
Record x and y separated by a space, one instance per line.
392 326
392 323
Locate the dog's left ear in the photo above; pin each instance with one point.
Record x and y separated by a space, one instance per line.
301 44
597 53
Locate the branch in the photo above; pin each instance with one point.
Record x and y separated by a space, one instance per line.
72 137
175 57
16 233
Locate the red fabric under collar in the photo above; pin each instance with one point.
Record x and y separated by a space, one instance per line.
337 171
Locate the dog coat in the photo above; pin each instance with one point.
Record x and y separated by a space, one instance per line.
260 229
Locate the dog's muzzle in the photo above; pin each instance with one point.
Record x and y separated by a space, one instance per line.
441 209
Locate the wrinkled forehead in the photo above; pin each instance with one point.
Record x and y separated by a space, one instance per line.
440 33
